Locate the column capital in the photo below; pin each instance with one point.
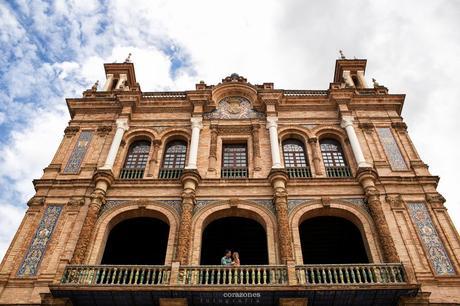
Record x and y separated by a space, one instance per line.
122 123
272 122
347 121
196 122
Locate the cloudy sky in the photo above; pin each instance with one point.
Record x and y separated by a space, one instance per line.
52 50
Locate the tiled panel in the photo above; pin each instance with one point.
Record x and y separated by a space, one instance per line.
391 149
78 153
430 239
34 255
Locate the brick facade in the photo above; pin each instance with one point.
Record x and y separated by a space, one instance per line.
393 200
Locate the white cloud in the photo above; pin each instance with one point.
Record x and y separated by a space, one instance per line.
292 43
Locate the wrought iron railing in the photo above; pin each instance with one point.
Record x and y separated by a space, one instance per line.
298 172
120 275
170 173
350 274
233 276
131 173
234 172
338 172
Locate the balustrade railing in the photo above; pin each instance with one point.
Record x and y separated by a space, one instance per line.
233 276
131 173
298 172
296 92
338 172
110 275
170 173
234 172
261 275
350 274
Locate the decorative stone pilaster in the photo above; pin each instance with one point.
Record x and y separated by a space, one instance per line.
347 124
256 146
190 179
122 126
367 177
316 155
154 157
103 179
272 126
213 148
193 155
278 179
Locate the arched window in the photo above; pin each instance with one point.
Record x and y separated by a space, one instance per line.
138 155
295 159
334 159
173 160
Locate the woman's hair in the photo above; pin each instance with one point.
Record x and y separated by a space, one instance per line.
236 255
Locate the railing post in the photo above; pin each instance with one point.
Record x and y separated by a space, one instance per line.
291 274
174 276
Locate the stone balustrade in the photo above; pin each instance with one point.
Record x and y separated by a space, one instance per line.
350 274
262 275
248 275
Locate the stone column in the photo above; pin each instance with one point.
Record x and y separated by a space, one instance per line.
272 126
256 146
154 157
316 155
278 179
347 124
121 82
190 179
362 80
108 83
367 177
103 179
193 155
347 78
213 149
122 126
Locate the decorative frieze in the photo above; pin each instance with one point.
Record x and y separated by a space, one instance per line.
111 203
293 203
37 248
391 149
430 239
78 153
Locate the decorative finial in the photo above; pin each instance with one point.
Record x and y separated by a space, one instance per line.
94 87
128 59
342 56
376 84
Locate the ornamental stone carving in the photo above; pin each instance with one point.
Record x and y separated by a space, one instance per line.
233 108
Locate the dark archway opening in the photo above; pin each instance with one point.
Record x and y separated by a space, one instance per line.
331 240
243 235
137 241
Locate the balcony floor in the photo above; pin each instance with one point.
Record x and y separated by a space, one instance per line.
385 295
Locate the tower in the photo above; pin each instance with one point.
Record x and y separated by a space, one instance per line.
321 192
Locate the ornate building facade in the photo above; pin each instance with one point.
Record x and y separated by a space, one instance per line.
321 192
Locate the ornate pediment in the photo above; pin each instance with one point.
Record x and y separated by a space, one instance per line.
233 107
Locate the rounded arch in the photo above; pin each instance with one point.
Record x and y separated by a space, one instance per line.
340 209
138 134
176 134
222 209
334 132
129 210
298 133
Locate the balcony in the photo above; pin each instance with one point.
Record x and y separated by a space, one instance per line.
345 284
131 173
170 173
298 172
338 172
234 172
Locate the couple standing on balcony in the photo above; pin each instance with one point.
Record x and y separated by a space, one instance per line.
230 259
